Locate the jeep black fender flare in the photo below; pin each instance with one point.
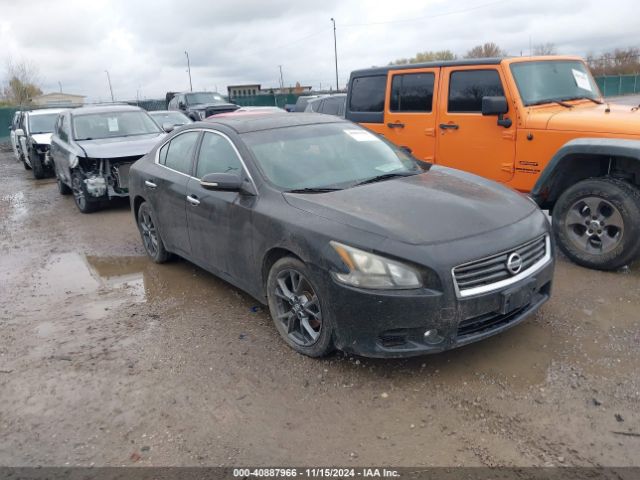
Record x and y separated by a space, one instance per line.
570 164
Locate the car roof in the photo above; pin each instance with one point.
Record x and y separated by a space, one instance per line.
105 109
253 122
45 111
337 95
442 63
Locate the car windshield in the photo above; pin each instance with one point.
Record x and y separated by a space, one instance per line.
204 97
113 124
174 118
42 123
552 80
326 156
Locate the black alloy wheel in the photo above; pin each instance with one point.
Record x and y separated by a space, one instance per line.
151 239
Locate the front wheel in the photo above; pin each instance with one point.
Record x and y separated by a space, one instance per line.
38 167
596 223
83 200
297 310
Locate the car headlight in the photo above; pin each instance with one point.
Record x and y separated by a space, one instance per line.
368 270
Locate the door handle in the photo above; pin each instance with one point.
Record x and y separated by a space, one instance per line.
193 200
449 126
395 125
150 184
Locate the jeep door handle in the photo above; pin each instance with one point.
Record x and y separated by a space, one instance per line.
193 200
395 125
449 126
150 184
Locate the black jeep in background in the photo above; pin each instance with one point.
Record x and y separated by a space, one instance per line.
199 105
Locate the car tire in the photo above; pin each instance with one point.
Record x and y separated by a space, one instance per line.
63 188
79 189
24 162
298 309
38 168
596 223
151 238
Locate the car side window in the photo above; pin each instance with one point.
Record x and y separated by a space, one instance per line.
367 94
180 152
217 155
330 106
412 92
62 130
466 89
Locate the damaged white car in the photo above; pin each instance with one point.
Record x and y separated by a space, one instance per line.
34 140
93 148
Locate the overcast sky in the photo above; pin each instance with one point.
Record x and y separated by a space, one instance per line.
142 42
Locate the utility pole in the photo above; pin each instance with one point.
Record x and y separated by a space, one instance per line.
335 50
189 70
110 88
281 79
60 85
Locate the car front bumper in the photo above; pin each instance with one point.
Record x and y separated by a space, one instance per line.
393 323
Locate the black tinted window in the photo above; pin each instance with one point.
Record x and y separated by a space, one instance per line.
412 92
467 88
180 152
217 156
367 94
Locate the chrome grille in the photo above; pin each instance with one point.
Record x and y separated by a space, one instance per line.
480 275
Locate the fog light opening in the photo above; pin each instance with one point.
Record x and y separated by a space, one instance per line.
432 337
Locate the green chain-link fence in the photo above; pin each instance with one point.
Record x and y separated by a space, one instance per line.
6 116
615 85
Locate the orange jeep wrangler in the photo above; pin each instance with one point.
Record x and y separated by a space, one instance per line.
536 124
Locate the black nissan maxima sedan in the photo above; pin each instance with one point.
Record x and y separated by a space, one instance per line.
351 242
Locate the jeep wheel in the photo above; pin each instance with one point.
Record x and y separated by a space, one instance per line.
83 201
596 223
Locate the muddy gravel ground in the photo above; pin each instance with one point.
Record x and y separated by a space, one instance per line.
109 359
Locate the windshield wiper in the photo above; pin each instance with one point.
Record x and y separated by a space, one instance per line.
313 190
584 97
386 176
551 100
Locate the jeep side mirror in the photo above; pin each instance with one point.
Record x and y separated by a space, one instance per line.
181 105
496 106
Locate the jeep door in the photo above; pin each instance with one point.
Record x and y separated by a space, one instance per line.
410 116
466 139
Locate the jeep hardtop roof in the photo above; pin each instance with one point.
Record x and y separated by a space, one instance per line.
442 63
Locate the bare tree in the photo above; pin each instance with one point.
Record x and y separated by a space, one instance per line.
545 49
427 56
22 82
621 61
488 50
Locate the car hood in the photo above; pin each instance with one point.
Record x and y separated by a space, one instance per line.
42 138
588 118
120 146
438 206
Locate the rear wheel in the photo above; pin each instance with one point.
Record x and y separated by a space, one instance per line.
84 202
297 309
151 239
596 223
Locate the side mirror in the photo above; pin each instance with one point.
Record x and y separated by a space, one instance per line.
222 181
168 127
496 106
181 105
19 132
